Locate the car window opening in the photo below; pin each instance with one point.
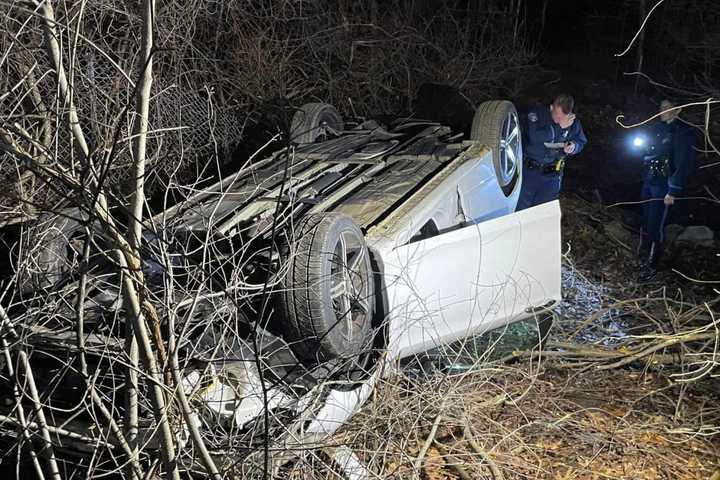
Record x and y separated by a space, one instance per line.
428 230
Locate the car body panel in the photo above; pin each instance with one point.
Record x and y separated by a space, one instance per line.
472 279
465 191
341 405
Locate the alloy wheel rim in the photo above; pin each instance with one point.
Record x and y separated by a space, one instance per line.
349 290
510 148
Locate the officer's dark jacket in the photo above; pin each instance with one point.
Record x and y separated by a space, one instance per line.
541 129
672 143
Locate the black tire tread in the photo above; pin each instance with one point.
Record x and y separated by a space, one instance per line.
304 265
301 302
308 116
487 130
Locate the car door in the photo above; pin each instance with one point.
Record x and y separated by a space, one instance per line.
472 279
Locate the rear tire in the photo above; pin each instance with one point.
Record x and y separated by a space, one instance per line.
57 243
327 300
496 124
315 121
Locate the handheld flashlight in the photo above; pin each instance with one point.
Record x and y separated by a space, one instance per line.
638 143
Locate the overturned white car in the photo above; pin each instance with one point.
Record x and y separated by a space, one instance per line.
355 245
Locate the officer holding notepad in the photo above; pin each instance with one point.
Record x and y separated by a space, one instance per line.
552 134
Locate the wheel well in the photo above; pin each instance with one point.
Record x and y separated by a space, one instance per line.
372 356
379 323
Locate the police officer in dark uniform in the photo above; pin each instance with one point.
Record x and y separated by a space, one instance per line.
552 134
668 162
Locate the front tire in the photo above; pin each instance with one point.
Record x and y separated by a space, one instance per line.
327 302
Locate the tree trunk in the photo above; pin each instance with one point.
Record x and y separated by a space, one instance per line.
140 129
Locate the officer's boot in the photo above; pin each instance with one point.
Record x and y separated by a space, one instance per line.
650 266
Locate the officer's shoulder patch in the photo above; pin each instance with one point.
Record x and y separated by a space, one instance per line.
532 116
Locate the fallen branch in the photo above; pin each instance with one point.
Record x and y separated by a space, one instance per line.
470 437
417 464
40 413
674 340
454 463
85 441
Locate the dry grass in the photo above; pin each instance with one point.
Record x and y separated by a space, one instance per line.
552 423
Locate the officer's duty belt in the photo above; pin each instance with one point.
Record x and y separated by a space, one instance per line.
545 168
